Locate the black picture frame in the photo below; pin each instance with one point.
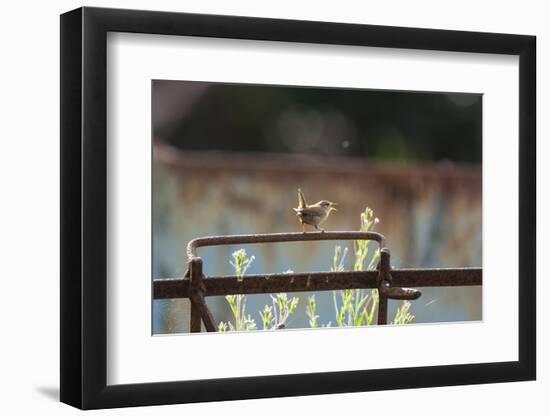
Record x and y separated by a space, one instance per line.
84 207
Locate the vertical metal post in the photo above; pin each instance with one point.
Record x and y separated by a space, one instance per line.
195 275
199 309
382 308
384 281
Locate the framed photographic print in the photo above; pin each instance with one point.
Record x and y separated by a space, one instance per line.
258 207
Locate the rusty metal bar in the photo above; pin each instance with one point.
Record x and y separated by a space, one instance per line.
382 306
384 283
199 309
318 281
400 293
195 322
194 244
195 275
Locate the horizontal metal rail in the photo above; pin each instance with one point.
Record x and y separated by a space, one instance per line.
317 281
278 238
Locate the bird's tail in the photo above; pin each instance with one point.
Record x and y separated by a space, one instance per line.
301 199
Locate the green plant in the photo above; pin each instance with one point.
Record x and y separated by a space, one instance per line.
357 307
267 317
273 317
402 314
311 311
362 247
243 322
237 302
277 314
241 263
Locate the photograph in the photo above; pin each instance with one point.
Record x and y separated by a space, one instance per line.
247 159
245 199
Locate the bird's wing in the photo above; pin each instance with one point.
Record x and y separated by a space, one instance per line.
312 211
301 200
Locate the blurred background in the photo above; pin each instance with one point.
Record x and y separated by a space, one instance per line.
228 159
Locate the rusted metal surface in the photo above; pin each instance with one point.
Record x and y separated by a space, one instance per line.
318 281
279 237
391 284
384 285
195 285
399 293
199 309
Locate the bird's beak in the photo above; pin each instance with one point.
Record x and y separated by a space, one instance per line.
333 208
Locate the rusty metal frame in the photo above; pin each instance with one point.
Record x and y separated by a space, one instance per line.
392 284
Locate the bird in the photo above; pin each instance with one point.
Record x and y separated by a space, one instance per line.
314 214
